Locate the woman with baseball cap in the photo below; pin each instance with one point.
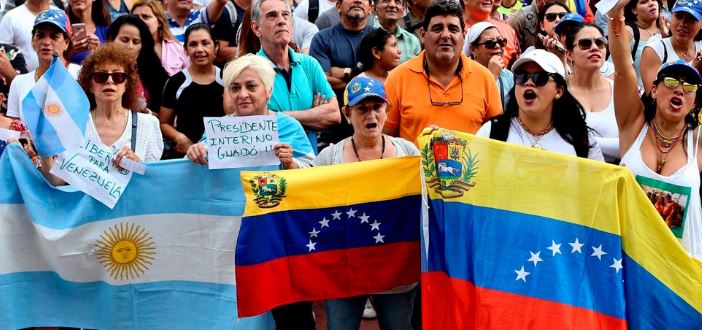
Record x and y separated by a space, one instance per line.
659 133
541 112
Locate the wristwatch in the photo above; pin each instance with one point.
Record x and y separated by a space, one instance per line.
347 74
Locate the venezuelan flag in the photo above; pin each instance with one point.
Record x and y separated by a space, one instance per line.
328 232
523 238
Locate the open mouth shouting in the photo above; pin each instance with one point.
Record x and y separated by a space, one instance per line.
529 96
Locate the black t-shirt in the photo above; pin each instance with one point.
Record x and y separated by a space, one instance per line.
191 102
223 29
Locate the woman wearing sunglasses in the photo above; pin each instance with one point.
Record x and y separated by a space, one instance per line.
541 112
550 17
587 48
109 78
659 135
680 45
486 47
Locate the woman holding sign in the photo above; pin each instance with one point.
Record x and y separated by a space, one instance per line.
249 85
109 78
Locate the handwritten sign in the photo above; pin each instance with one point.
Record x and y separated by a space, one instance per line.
241 141
90 169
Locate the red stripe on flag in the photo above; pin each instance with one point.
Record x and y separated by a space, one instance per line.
449 303
326 275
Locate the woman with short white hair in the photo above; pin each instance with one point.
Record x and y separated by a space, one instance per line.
248 83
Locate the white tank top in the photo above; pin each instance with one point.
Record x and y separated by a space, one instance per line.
676 197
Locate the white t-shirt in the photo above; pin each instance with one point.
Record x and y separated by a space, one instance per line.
303 32
663 46
21 86
16 29
606 131
551 141
301 9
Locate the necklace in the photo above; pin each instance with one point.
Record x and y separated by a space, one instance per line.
537 136
662 140
663 148
686 50
382 151
650 34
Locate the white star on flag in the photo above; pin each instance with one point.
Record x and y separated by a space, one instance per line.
616 264
364 218
367 89
555 248
597 252
379 238
375 225
324 222
314 232
521 274
576 246
311 245
535 257
351 213
336 215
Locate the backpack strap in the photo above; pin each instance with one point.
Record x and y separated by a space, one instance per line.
665 52
637 37
135 120
499 128
313 11
502 91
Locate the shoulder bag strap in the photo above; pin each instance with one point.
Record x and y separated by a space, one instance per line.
134 129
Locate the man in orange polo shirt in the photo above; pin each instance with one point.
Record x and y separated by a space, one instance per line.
440 86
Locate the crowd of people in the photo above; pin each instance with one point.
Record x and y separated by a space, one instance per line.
351 80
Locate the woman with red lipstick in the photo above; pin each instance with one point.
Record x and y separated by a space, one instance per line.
193 93
659 133
587 48
541 112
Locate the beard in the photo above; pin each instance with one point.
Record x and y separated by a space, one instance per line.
356 16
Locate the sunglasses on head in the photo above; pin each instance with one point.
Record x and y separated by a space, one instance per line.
492 43
552 16
117 77
586 43
539 78
673 83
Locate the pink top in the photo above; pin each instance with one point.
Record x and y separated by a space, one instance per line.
173 57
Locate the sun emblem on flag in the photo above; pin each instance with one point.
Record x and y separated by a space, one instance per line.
269 189
126 251
53 109
449 165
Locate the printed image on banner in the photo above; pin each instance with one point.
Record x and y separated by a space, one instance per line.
671 202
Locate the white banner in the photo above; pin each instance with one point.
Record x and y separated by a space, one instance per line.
234 142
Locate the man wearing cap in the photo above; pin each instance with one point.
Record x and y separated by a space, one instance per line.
476 11
16 28
300 89
440 86
484 45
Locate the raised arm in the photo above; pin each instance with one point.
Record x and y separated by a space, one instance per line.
214 10
628 107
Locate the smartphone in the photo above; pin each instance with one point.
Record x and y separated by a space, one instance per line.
79 31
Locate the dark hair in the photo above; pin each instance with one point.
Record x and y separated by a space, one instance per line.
574 30
629 10
65 34
374 39
195 27
98 12
114 54
649 103
542 14
568 117
152 74
248 41
443 8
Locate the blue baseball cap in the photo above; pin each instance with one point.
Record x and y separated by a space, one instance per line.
53 16
678 69
692 7
360 88
567 20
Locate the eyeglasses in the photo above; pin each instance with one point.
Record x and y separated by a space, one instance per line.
552 16
673 83
117 77
539 78
492 43
586 43
445 104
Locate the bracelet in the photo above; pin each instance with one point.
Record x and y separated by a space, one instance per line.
617 23
621 18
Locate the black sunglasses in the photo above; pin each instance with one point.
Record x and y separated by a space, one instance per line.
117 77
539 78
492 43
586 43
552 16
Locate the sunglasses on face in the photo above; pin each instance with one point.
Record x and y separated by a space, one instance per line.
117 77
586 43
539 78
551 17
673 83
493 43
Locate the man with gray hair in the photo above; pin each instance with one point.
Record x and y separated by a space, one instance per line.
301 89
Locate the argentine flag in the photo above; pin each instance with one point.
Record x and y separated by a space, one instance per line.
56 111
163 258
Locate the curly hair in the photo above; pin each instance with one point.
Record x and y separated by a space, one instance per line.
111 53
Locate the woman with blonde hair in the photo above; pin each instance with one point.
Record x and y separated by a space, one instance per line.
171 53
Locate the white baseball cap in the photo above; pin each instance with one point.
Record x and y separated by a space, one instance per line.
548 61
